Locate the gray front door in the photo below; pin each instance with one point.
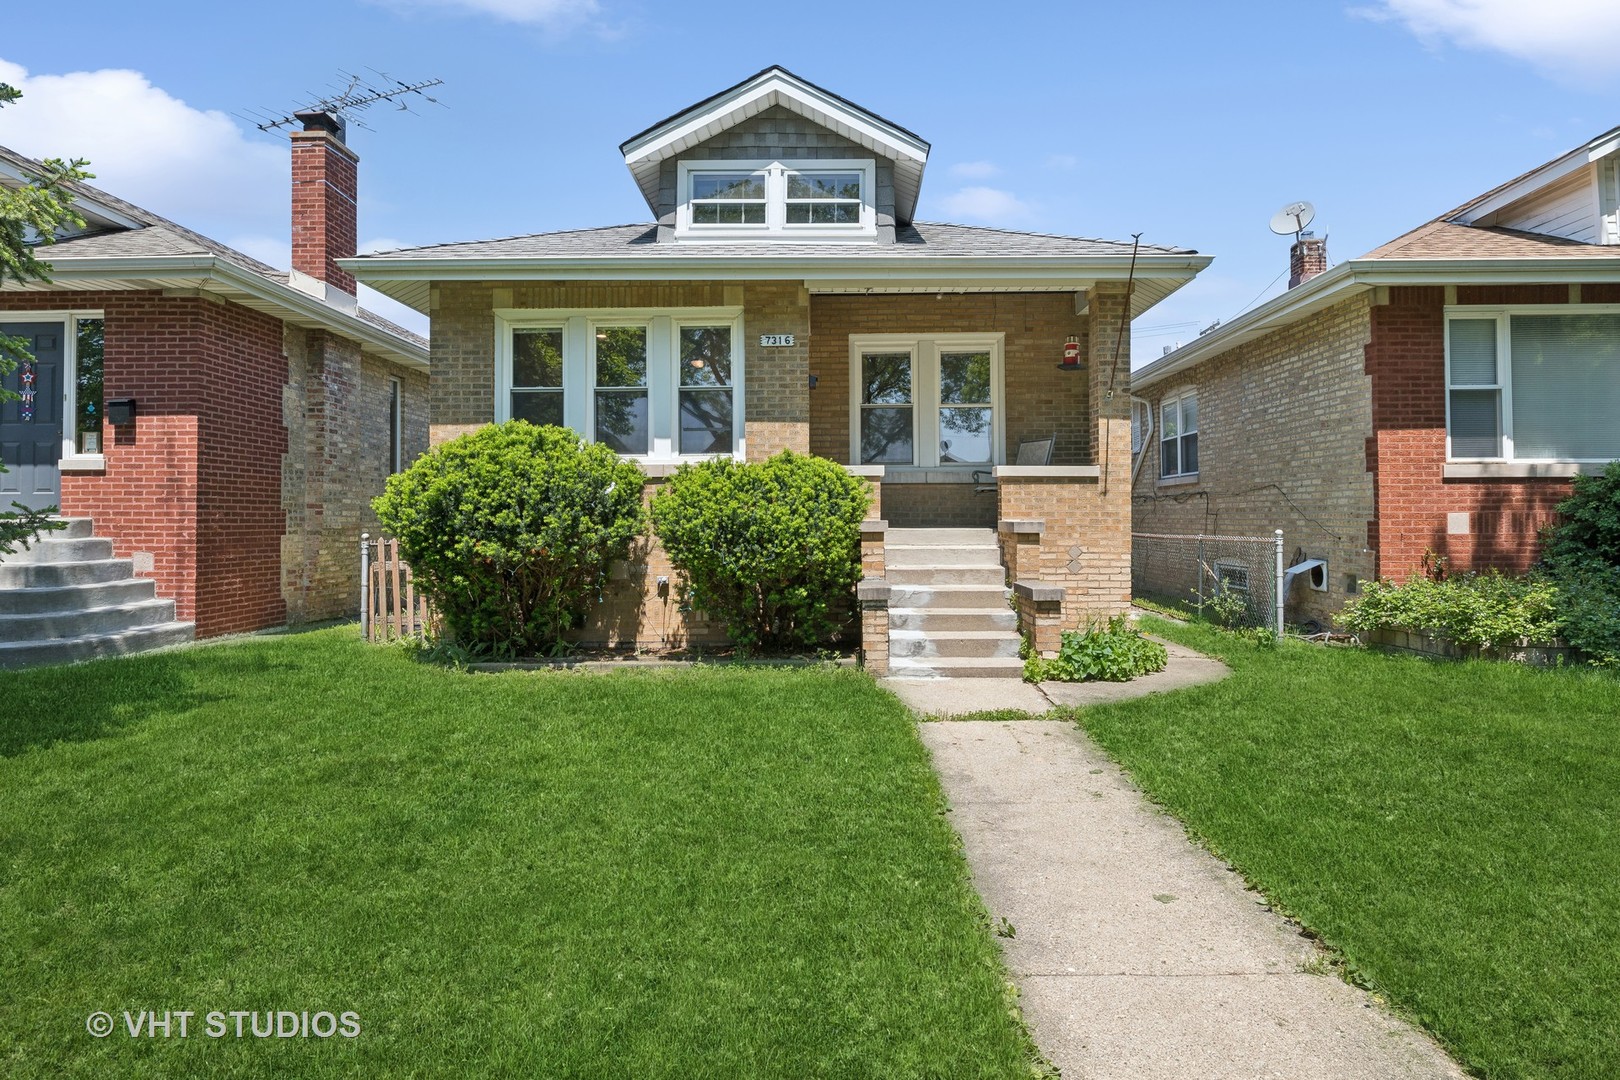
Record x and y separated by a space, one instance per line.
31 428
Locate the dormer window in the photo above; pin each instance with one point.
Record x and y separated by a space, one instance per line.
808 200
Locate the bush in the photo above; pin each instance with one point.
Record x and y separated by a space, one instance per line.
510 531
1114 651
1589 609
772 549
1589 527
1472 609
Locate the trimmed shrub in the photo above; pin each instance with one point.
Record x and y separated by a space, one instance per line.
1472 609
1589 607
510 530
1589 527
1114 651
772 548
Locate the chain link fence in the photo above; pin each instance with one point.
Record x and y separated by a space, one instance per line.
1232 580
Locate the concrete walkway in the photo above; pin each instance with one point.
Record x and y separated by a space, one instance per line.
1139 955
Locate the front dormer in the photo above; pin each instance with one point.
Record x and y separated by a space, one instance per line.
776 158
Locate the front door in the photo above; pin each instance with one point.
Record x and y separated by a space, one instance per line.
31 424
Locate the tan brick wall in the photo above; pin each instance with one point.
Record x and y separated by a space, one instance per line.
1283 427
335 406
1038 398
776 379
937 506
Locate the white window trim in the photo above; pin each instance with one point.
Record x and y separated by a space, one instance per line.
776 225
396 409
70 459
663 382
1504 370
925 350
1184 476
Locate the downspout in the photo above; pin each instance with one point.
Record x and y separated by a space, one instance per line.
1147 439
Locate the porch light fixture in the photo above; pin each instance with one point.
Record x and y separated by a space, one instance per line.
1071 356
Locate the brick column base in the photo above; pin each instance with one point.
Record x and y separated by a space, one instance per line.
1040 615
873 595
872 560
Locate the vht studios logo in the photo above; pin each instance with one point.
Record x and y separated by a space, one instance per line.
219 1024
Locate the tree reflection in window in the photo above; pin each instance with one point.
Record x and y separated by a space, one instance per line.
706 393
964 407
621 388
90 335
886 417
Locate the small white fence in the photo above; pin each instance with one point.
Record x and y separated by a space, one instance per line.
1238 578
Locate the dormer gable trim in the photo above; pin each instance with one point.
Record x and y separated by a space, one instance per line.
776 86
1481 210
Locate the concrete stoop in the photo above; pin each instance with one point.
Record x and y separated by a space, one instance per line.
65 598
948 612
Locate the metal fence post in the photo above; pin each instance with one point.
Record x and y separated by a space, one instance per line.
365 586
1277 582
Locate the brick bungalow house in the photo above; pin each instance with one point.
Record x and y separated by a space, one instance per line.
784 296
220 424
1436 394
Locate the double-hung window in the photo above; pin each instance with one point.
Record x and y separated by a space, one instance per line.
927 401
832 199
1533 384
658 384
1178 435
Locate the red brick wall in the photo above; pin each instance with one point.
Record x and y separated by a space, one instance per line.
1407 452
196 480
325 182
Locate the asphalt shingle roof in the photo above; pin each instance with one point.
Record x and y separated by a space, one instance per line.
920 240
1451 240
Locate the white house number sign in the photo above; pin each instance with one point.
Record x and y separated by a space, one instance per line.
775 341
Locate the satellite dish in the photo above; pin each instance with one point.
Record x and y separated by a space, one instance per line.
1293 218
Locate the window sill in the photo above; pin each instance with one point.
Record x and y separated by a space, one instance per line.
1178 481
83 463
1521 470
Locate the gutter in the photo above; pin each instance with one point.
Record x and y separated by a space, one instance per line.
185 270
1359 275
755 267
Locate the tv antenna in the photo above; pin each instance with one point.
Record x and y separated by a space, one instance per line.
1293 218
351 97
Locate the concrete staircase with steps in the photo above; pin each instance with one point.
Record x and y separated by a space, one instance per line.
66 598
948 612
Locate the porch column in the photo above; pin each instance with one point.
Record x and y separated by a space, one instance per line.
1104 579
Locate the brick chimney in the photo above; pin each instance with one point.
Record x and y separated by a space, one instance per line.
325 185
1307 258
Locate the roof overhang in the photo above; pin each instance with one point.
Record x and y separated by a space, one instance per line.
646 152
1156 276
1361 275
213 276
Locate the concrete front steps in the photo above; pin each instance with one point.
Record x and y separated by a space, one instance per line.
65 598
948 613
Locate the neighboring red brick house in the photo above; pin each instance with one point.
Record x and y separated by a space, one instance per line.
223 424
1436 394
785 297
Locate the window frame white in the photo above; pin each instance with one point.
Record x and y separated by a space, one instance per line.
1177 399
776 226
396 420
925 351
1502 315
663 380
70 460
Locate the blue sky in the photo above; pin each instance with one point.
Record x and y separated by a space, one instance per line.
1191 123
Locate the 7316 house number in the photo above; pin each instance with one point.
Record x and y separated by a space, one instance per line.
768 341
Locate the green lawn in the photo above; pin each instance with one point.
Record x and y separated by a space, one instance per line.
699 873
1453 829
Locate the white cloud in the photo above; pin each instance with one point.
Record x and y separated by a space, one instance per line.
975 170
148 147
1570 40
989 205
548 13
